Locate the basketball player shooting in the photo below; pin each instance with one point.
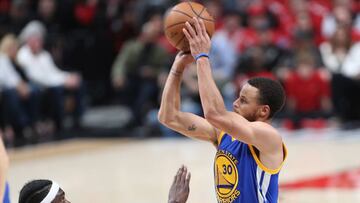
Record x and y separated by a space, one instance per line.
250 152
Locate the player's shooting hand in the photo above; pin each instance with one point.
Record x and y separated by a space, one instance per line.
182 59
198 38
179 191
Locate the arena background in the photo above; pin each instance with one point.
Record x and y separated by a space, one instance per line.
118 152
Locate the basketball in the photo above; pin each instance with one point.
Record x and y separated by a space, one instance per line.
176 18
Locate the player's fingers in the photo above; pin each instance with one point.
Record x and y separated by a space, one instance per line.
190 29
197 25
187 181
183 176
187 34
178 175
203 28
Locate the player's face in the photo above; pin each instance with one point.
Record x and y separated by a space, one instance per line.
60 197
247 103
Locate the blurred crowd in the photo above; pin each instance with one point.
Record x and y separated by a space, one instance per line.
59 57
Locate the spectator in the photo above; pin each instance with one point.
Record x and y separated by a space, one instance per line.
224 51
16 18
341 15
308 92
42 191
136 69
305 37
273 54
252 63
20 97
41 69
341 58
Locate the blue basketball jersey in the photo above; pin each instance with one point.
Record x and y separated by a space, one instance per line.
240 176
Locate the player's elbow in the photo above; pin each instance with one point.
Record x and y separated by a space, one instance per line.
165 118
162 117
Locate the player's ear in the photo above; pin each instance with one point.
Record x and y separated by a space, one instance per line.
264 111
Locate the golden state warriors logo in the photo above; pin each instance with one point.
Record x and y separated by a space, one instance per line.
226 177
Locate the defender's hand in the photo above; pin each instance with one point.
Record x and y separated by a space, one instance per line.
198 38
179 191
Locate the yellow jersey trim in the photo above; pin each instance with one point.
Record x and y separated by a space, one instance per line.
221 135
264 168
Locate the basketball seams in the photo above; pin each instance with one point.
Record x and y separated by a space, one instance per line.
191 16
203 9
175 21
175 24
182 38
199 15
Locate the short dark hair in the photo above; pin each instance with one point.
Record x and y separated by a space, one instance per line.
34 191
271 93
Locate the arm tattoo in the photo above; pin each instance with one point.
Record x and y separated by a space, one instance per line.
192 127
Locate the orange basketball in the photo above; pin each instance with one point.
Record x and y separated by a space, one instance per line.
176 18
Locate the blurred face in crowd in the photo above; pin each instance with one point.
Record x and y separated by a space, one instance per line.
304 22
341 37
46 8
214 9
153 28
247 104
345 3
35 43
266 37
305 70
342 15
298 6
18 10
259 21
232 22
9 46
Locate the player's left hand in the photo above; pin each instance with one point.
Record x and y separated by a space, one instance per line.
183 59
198 38
179 191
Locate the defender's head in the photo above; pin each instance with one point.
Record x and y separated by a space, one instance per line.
259 99
42 191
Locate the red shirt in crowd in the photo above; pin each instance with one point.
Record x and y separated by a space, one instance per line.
307 92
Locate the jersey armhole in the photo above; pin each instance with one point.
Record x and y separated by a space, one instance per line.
261 165
219 137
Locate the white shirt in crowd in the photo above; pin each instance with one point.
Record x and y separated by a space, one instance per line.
41 68
348 65
329 25
223 54
9 78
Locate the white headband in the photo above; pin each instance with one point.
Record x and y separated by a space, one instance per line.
52 193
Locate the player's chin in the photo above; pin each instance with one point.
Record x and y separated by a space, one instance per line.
237 111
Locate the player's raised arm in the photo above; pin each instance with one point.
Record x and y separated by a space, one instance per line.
170 114
259 134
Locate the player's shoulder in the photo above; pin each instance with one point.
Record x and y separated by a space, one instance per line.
266 129
265 126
